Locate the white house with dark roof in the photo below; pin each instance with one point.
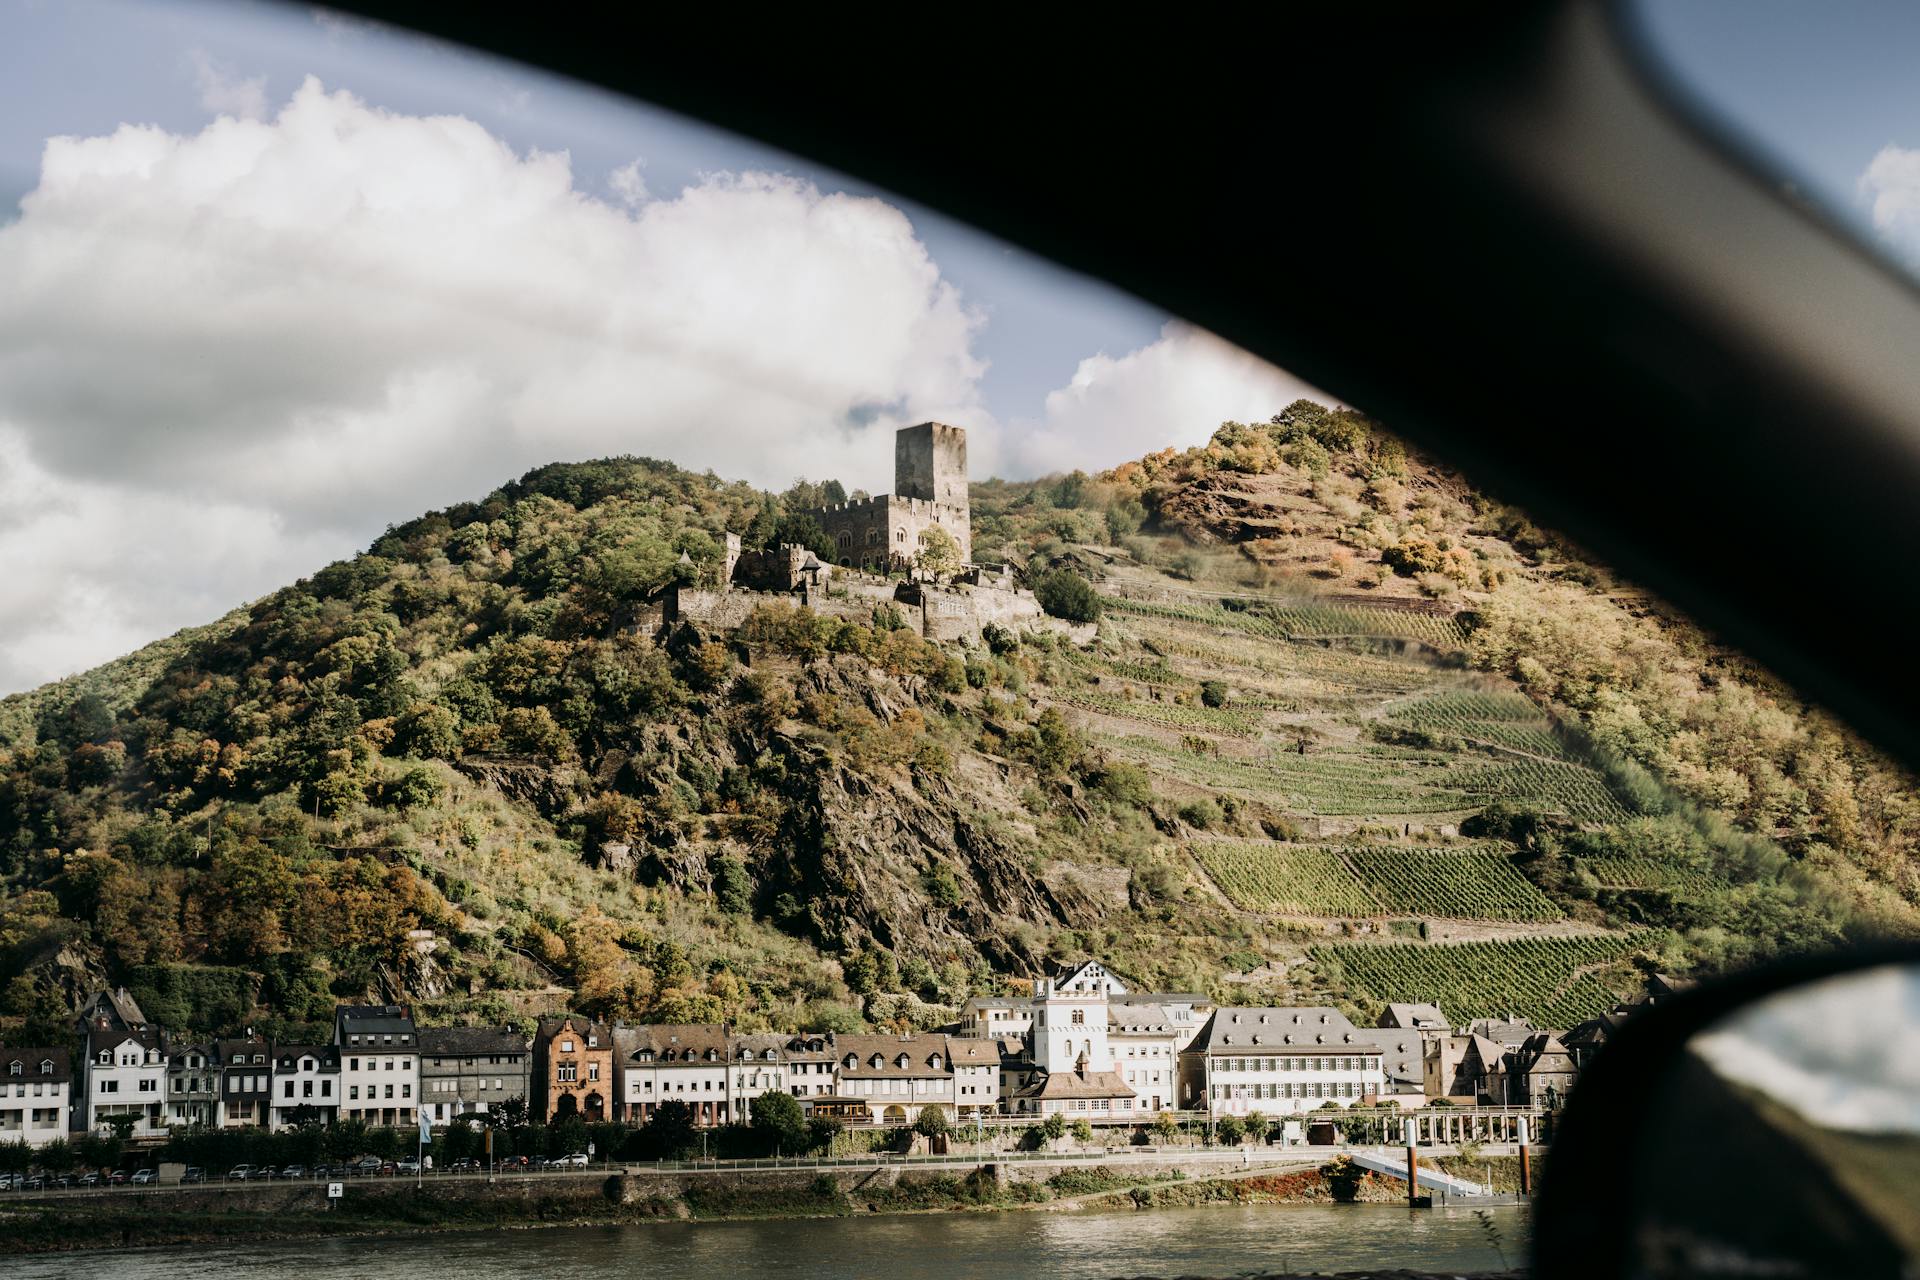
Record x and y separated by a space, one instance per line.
1402 1059
126 1076
379 1063
1145 1046
36 1086
1072 1060
672 1063
1278 1061
996 1017
757 1064
976 1075
306 1085
810 1065
893 1078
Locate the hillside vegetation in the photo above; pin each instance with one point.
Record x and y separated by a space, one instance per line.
1348 731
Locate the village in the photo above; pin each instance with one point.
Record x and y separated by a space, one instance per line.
1082 1047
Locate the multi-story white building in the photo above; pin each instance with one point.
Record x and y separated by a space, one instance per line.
1071 1061
1146 1053
379 1063
1278 1061
126 1076
810 1063
996 1017
306 1084
35 1086
759 1064
892 1079
976 1075
679 1063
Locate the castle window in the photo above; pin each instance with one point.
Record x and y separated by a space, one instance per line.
844 538
901 536
873 537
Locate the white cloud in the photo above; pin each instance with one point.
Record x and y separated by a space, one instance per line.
226 93
629 184
1891 183
229 357
1175 391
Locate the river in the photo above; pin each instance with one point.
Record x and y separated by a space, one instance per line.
1209 1241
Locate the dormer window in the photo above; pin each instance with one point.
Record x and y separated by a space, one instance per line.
878 1062
46 1066
13 1069
934 1062
852 1062
902 1061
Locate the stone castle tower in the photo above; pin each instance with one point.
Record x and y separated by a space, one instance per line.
930 483
930 463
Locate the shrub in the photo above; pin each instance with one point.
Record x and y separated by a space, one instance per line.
1213 693
1065 594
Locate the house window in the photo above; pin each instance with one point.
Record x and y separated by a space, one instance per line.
566 1046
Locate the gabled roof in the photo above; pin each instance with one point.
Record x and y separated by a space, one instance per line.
30 1058
675 1044
551 1027
102 1033
1511 1032
966 1052
1137 1018
1528 1055
1063 976
920 1050
286 1057
469 1042
373 1019
116 1006
756 1046
1423 1017
1071 1084
1304 1029
1402 1056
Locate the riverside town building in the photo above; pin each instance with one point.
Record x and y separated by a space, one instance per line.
1079 1044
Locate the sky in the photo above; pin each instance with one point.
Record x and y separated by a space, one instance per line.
1844 1052
272 280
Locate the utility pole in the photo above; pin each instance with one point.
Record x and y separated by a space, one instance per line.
1413 1165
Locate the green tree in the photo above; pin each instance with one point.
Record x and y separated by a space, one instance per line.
1082 1131
1165 1126
779 1121
1229 1130
1066 594
932 1122
668 1133
939 554
1054 1127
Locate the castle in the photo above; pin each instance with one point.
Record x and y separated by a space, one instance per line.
872 538
930 492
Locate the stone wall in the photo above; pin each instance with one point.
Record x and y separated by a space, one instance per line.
884 532
930 463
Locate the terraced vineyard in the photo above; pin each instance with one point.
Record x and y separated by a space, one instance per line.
1468 882
1282 621
1285 879
1170 715
1549 981
1648 873
1507 719
1470 886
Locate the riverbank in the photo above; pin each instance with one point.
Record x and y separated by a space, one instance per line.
183 1216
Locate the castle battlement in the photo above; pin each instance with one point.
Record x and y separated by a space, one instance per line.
930 492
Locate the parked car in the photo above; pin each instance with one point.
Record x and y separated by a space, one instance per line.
63 1181
194 1173
326 1171
144 1177
242 1173
578 1158
88 1179
387 1169
465 1164
407 1164
118 1178
294 1171
366 1164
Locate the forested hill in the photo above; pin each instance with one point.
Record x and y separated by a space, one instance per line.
1349 732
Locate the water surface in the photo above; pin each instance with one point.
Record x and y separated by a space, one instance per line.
1211 1241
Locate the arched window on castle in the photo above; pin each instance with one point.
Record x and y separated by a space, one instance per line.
844 538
